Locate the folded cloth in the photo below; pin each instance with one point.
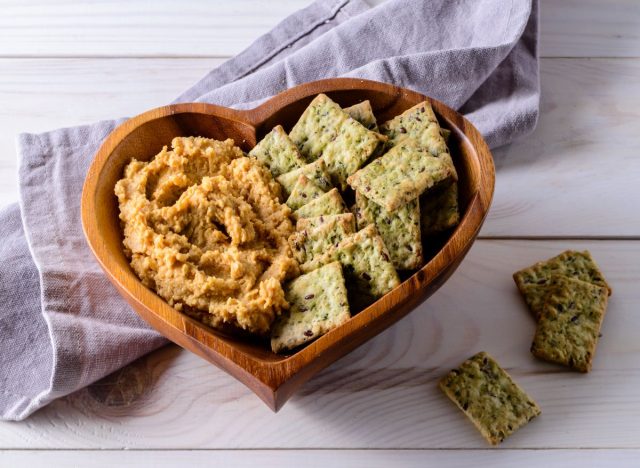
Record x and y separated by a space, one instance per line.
64 326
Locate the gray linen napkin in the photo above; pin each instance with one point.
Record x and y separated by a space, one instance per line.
64 326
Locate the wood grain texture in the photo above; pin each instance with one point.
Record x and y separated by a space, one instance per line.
384 395
273 377
324 458
577 174
102 28
573 28
589 28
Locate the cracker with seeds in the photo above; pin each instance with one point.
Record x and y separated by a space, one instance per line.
310 223
329 203
278 152
419 123
317 304
325 130
400 175
303 192
569 325
399 229
365 261
533 281
439 210
312 242
363 113
489 397
315 171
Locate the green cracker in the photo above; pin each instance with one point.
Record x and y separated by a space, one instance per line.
363 113
325 130
365 261
400 230
318 303
329 203
420 124
315 171
303 192
400 176
278 152
310 223
489 397
312 242
439 209
533 281
569 326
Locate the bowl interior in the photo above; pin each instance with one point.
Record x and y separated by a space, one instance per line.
146 140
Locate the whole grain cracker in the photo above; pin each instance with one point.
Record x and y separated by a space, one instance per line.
400 175
317 304
569 325
489 397
399 229
277 152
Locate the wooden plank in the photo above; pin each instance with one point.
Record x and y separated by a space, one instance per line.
323 458
567 179
383 395
590 28
573 28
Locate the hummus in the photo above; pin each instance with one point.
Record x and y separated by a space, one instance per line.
204 228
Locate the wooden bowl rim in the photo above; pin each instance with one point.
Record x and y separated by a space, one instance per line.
458 242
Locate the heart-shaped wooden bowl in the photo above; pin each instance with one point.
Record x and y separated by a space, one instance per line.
275 377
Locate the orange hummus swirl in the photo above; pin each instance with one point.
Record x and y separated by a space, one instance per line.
204 227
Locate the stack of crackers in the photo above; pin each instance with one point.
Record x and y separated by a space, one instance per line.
403 185
567 295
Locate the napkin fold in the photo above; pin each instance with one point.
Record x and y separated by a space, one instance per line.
64 326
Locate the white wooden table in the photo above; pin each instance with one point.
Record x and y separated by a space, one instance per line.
574 183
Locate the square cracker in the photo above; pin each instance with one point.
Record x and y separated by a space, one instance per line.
278 152
439 210
314 241
315 171
569 326
400 175
325 130
533 281
303 192
317 303
420 124
329 203
363 113
489 397
365 261
400 230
